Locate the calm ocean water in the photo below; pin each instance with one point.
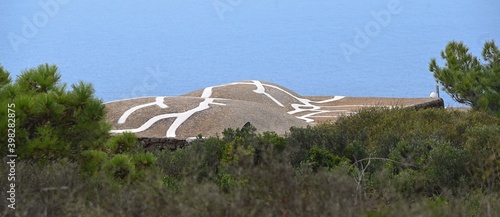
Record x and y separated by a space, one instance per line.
322 47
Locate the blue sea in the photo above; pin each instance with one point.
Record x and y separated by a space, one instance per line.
320 47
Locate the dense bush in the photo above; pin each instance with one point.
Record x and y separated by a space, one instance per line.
92 161
322 158
120 167
200 160
424 152
483 143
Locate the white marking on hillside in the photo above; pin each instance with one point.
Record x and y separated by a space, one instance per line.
262 90
305 105
159 101
179 119
207 92
313 114
182 117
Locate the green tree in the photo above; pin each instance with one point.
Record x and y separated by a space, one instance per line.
51 122
469 80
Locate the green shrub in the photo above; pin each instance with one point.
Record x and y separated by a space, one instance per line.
411 153
171 183
484 145
143 163
46 147
246 132
322 158
92 161
120 167
228 182
301 140
200 159
4 77
355 150
268 145
237 151
271 138
447 168
444 149
144 160
123 143
407 182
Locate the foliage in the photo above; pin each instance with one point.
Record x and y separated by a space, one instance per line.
301 140
483 142
170 183
143 163
200 160
50 122
144 160
467 79
447 166
4 77
245 132
92 161
322 158
422 152
278 143
228 182
123 143
120 167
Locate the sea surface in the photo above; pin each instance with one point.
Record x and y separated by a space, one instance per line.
314 47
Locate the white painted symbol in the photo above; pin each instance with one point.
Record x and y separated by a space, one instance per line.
307 106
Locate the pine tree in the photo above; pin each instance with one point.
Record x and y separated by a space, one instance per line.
467 79
51 122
